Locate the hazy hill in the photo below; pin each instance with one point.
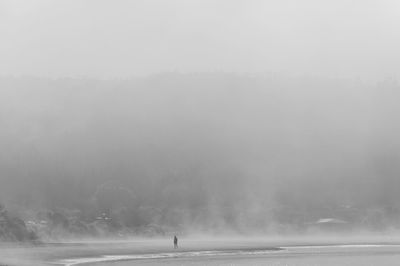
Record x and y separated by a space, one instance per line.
199 152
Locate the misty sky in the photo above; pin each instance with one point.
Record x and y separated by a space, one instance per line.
106 39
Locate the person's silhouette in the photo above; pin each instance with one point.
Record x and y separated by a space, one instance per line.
175 242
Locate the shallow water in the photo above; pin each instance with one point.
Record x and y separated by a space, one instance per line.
222 251
358 255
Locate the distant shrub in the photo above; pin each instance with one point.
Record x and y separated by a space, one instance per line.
14 228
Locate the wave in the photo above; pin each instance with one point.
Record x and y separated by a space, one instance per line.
186 254
203 253
341 246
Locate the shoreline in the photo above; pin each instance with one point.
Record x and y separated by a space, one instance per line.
166 255
73 253
233 252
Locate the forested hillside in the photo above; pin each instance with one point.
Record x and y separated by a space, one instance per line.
208 152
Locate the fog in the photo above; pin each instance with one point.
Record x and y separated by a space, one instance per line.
107 39
153 117
202 151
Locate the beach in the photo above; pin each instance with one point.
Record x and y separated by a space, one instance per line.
204 252
354 255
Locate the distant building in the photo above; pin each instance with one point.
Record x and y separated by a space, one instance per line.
330 224
330 221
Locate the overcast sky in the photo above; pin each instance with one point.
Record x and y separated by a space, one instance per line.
121 38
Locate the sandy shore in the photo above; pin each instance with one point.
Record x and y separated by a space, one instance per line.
56 253
162 249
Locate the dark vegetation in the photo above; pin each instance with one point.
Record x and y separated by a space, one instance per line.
198 152
13 228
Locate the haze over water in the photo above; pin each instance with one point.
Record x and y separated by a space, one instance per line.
136 119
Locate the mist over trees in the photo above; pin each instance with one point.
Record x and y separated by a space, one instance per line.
207 152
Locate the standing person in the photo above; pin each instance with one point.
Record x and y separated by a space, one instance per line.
175 242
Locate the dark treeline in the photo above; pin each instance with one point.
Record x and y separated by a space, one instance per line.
198 152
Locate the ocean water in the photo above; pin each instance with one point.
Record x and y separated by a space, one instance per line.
354 255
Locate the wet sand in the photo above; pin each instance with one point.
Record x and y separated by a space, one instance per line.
205 252
355 255
362 259
65 253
